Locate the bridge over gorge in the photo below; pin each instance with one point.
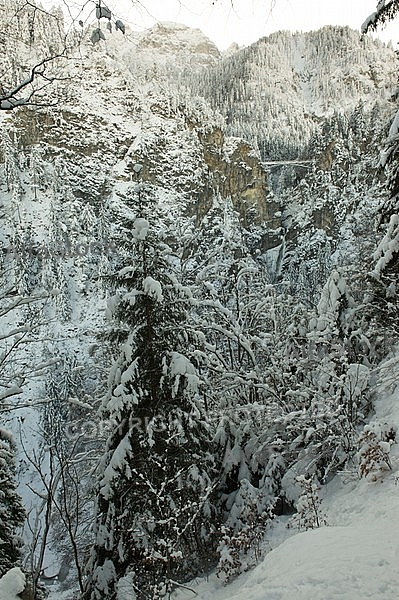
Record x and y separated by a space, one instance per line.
294 162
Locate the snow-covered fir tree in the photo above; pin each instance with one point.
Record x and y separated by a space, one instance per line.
155 519
12 513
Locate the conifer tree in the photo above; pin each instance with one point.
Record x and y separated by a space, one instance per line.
386 10
12 513
154 504
384 299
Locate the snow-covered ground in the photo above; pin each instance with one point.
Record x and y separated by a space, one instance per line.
346 563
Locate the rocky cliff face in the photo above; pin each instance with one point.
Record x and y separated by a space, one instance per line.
237 172
178 42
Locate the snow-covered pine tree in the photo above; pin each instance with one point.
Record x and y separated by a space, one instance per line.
339 376
385 272
317 391
154 523
385 11
12 513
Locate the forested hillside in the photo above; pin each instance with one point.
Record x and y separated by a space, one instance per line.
278 92
197 291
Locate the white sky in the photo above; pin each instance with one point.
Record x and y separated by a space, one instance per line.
245 21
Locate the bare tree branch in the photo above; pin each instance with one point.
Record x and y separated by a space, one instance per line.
11 99
26 91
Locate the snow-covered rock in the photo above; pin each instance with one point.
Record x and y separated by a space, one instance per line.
12 584
167 38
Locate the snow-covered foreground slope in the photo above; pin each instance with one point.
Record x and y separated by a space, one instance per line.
348 563
354 558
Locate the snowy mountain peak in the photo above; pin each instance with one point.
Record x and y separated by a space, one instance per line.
175 38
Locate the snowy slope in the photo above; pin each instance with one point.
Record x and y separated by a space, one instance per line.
353 558
345 563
